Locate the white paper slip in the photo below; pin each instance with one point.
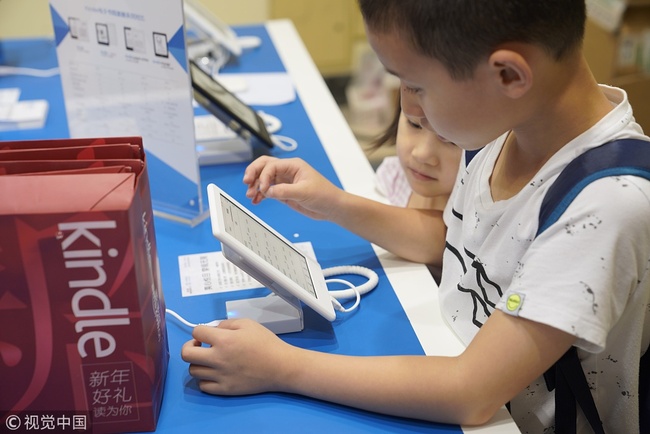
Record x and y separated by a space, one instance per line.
266 88
23 115
211 272
208 128
9 96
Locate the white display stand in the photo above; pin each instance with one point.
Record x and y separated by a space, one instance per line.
124 72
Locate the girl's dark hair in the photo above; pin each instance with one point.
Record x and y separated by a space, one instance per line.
389 136
460 33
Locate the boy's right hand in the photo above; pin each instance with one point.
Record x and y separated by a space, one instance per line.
293 182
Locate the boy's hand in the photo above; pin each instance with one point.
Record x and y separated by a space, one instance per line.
238 357
293 182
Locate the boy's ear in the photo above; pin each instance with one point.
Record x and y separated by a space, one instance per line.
512 72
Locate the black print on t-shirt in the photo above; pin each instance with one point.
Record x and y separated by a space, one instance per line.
481 287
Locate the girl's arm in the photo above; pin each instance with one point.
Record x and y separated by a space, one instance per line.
417 235
414 234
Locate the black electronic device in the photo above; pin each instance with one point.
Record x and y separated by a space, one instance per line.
229 109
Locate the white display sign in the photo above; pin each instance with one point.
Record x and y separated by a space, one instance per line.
124 72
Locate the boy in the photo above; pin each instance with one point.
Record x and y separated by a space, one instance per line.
508 73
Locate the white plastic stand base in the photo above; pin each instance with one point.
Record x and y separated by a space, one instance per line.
272 312
233 150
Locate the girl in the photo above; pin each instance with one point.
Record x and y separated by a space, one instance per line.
423 172
418 180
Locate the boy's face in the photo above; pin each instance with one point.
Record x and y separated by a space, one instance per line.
464 112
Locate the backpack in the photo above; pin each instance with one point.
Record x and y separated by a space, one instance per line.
619 157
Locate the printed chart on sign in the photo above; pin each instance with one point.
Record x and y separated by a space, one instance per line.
104 99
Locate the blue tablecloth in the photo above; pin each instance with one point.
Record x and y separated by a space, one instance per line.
378 327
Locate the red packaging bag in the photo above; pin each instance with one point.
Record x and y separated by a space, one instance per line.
83 341
62 143
45 166
99 152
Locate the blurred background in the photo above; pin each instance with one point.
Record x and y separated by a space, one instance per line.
617 46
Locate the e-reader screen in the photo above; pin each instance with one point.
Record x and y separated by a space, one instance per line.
74 24
134 40
266 245
268 256
160 48
102 33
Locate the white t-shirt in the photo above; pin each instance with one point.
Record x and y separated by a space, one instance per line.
587 274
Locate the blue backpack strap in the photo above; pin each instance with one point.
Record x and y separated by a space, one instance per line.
616 158
469 155
620 157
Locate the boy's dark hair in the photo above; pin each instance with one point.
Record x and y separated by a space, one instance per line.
460 33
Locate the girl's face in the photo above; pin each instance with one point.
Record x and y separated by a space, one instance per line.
429 162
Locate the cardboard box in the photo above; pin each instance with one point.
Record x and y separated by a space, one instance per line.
621 58
618 53
82 331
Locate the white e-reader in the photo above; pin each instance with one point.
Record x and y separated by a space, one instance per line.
272 260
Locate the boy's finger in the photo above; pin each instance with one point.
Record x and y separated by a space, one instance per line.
206 334
192 351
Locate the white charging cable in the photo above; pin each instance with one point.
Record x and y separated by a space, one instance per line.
337 304
273 125
369 274
352 291
32 72
189 324
285 143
